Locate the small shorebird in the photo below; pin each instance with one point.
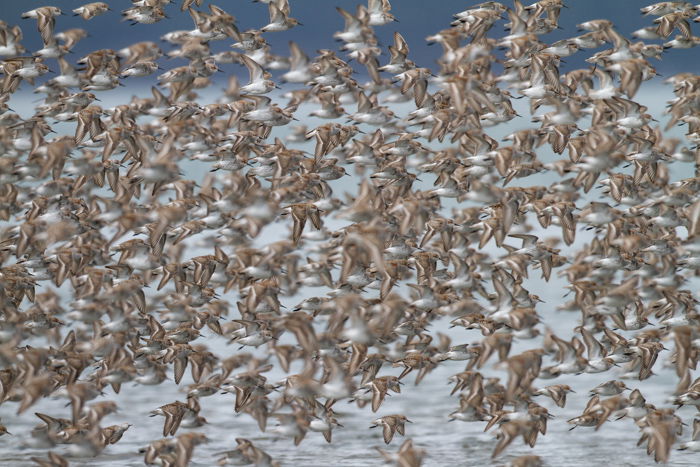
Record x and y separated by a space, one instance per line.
391 424
90 10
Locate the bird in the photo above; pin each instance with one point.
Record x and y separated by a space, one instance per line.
279 17
46 20
90 10
391 424
259 79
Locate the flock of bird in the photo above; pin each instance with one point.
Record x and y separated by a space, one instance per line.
106 213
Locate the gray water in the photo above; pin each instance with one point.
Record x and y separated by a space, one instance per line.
427 405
